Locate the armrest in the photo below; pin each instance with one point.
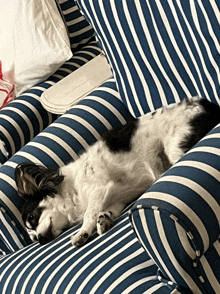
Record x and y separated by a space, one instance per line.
25 117
178 219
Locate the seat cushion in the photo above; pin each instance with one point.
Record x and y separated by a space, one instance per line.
111 263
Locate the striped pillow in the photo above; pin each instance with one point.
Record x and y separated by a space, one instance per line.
160 51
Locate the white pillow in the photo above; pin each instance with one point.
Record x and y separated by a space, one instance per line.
33 41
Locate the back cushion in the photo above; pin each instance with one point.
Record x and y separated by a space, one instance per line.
160 51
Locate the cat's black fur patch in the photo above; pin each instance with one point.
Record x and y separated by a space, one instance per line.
201 124
119 139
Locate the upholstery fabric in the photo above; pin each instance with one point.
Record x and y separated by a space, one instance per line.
169 241
111 263
160 51
178 219
80 32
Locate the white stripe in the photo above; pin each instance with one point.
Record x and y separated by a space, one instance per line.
83 123
203 167
130 51
49 83
9 203
151 242
139 282
209 53
75 21
62 1
101 265
210 275
95 113
196 45
211 136
185 241
211 32
11 164
187 278
108 105
206 149
8 180
217 247
176 47
215 10
207 197
93 259
24 117
77 261
67 70
70 10
155 288
60 142
72 64
129 272
30 157
111 52
75 135
80 32
9 138
14 268
87 53
191 215
11 231
47 151
11 259
5 240
16 126
76 57
58 76
109 90
82 42
172 7
36 112
40 263
23 261
157 60
71 257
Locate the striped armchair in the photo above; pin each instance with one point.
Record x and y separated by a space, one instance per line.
160 51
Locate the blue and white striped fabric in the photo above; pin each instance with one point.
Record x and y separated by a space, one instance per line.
178 220
112 263
160 51
79 31
24 118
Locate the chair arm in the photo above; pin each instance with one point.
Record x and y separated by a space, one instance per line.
178 218
25 117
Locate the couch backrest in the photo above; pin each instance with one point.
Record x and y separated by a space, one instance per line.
160 51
